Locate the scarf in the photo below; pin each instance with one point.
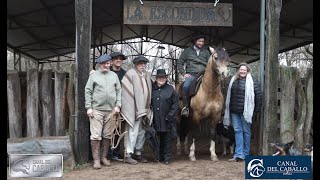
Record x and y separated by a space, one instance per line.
248 101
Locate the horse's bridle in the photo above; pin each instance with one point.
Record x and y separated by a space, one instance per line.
215 70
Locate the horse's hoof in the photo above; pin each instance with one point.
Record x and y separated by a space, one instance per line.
193 159
214 158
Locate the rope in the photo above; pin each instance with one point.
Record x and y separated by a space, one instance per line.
117 119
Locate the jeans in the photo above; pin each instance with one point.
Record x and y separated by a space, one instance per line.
242 131
187 83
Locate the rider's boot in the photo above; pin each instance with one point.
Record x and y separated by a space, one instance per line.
186 102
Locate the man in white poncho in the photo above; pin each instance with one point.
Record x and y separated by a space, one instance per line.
136 102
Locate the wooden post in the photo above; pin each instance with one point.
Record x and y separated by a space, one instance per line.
33 129
47 103
14 104
309 97
70 99
83 15
273 9
59 98
287 84
301 112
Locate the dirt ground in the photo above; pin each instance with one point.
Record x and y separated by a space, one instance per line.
180 168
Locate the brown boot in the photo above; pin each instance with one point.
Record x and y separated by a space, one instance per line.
95 148
104 150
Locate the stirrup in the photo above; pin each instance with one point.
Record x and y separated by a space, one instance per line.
185 111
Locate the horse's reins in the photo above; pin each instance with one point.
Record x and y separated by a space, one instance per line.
117 130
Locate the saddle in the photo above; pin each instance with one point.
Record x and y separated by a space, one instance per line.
195 84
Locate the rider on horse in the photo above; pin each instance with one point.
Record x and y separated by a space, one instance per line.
195 58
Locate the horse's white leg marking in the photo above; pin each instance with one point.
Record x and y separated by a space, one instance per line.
192 149
231 149
224 147
186 145
213 151
178 146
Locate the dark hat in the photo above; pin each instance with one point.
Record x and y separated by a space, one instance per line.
198 36
103 58
161 72
140 58
115 54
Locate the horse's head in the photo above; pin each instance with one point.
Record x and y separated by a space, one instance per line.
221 60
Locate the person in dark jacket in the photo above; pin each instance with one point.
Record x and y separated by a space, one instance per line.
243 99
117 61
195 59
164 105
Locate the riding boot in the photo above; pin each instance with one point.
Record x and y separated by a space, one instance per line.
186 102
95 148
105 146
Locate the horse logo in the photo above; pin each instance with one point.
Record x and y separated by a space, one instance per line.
22 165
255 168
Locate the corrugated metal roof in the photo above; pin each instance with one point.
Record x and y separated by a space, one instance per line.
44 28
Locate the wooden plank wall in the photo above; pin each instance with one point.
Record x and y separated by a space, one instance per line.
31 103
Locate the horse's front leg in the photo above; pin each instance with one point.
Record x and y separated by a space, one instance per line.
213 135
192 151
178 146
185 144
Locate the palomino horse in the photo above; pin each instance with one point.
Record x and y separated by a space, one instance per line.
206 105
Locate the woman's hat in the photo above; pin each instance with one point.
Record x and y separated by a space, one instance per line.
161 72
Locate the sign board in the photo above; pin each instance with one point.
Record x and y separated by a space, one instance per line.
177 13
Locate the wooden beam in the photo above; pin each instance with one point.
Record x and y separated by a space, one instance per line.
287 85
14 104
59 99
83 16
33 129
273 9
47 103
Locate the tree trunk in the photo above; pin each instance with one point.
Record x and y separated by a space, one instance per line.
309 97
273 9
288 76
14 104
47 103
301 112
33 129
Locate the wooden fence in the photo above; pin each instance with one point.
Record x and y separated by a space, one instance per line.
38 103
42 104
